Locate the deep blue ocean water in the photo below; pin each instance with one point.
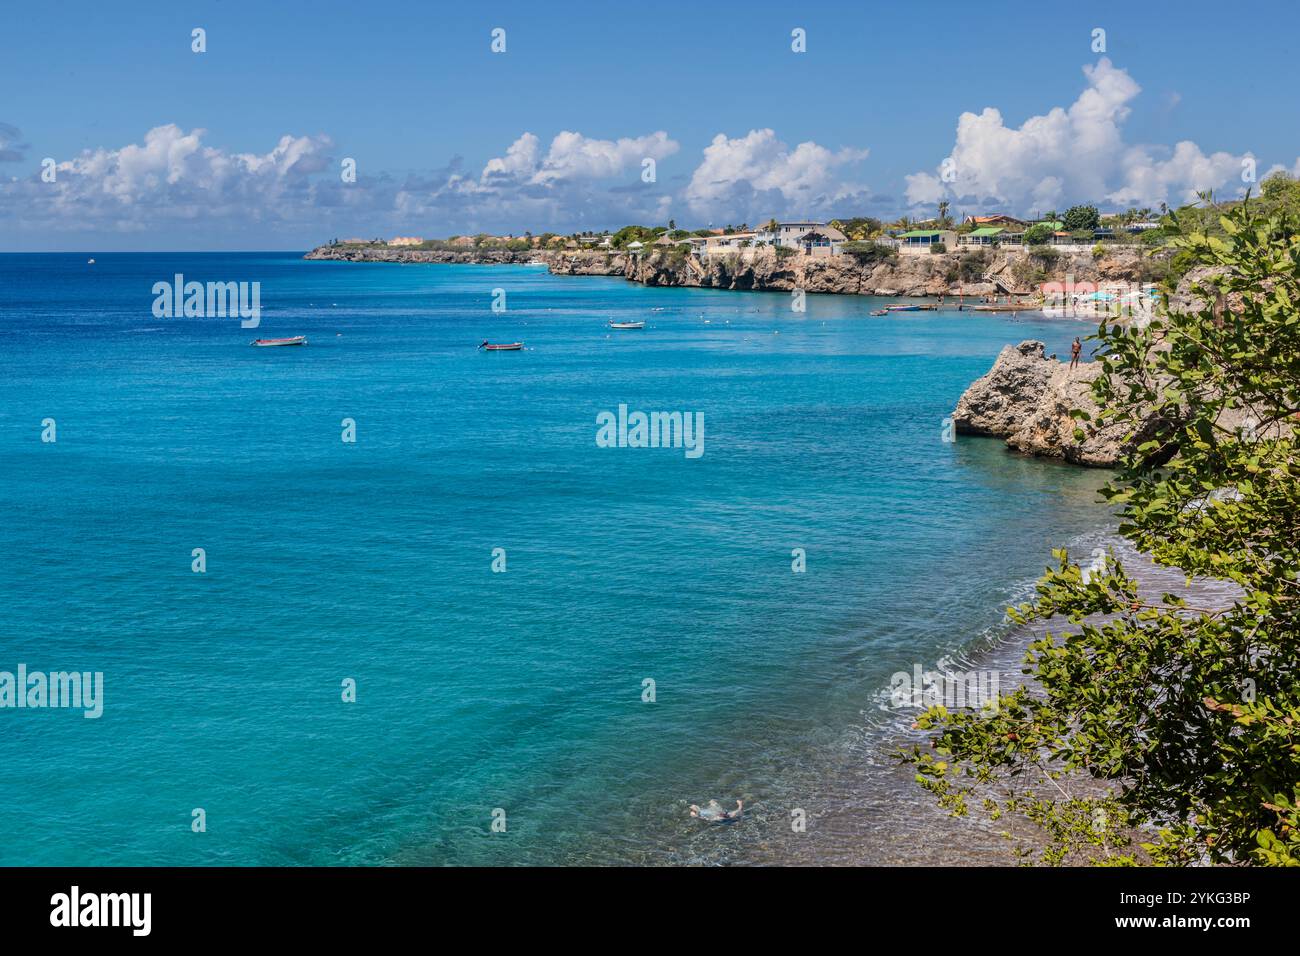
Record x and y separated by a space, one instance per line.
372 560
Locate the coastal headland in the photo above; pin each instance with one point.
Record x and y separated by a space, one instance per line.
983 273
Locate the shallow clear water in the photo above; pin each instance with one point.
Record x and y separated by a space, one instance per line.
372 561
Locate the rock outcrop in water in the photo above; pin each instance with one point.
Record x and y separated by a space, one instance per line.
1027 397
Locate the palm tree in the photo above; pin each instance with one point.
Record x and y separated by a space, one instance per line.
773 228
944 221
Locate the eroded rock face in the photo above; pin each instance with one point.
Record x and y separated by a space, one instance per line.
954 273
1027 398
997 403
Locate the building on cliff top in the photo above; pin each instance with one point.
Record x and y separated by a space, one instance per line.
805 235
923 240
998 219
406 241
790 233
824 241
983 236
718 245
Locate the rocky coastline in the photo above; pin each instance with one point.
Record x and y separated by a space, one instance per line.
947 274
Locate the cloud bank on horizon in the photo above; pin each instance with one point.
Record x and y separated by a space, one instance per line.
1069 154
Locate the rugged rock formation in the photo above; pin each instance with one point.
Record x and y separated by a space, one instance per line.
1027 397
902 275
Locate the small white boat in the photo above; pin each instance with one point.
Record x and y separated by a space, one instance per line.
292 340
627 325
90 262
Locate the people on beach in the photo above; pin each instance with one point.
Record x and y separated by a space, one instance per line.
1075 348
713 812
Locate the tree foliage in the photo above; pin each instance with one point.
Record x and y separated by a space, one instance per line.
1081 218
630 234
859 227
1152 728
1038 234
867 251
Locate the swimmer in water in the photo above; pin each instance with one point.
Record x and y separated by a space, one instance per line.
713 813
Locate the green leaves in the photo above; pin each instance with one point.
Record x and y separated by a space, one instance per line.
1178 716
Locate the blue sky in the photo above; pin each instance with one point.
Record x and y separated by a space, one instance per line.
248 137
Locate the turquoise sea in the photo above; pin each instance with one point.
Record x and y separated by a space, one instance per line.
479 691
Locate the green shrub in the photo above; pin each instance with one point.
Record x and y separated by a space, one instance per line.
972 266
867 251
1038 234
1027 272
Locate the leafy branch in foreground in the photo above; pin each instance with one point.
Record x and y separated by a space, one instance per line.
1155 729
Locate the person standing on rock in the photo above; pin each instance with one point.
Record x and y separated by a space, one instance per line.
1075 348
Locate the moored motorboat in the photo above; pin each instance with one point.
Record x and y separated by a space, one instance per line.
627 325
501 346
292 340
880 312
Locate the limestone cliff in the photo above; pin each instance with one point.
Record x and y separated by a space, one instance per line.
950 274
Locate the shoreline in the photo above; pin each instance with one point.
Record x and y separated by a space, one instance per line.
905 827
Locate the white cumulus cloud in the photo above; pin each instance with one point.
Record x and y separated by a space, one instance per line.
1071 154
757 174
574 156
576 181
171 176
